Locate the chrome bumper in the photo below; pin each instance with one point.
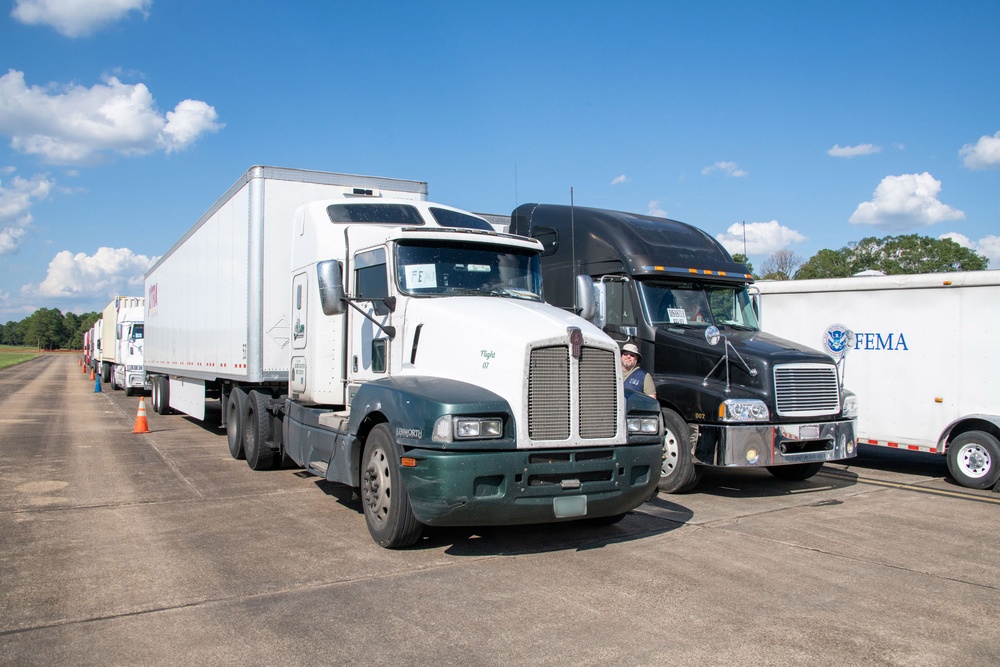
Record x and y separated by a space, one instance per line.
775 445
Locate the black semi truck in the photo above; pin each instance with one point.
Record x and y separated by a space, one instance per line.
731 395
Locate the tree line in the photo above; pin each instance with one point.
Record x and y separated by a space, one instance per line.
890 255
49 329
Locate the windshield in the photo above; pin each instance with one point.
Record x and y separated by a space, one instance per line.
137 331
425 269
697 304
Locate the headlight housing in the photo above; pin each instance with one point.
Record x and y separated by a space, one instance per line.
649 425
449 428
850 408
743 410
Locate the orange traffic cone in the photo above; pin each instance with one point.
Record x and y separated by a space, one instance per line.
91 373
141 425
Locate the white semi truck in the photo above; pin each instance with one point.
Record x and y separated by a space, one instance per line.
397 346
121 358
919 355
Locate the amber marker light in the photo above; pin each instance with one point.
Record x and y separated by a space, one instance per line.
408 462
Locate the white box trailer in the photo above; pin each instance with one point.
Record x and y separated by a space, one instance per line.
397 346
918 352
219 300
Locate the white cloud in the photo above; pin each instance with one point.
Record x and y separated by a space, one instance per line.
618 180
904 202
73 124
988 246
10 239
853 151
984 154
16 198
762 238
107 272
728 168
655 210
76 18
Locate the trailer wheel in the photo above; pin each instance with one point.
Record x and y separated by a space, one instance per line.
678 473
105 373
161 395
796 471
234 422
258 428
974 459
387 508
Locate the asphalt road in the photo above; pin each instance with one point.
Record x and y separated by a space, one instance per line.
159 549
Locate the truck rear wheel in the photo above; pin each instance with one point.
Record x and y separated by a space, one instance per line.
796 471
258 428
974 459
678 473
387 508
235 405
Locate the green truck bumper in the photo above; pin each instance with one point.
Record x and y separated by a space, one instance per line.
529 486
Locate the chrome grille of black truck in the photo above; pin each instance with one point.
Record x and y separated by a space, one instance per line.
806 390
553 377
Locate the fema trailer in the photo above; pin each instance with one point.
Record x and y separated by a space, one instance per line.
919 354
122 343
730 394
397 346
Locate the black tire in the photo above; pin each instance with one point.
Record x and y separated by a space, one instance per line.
105 373
235 405
678 473
974 460
161 395
387 508
796 472
258 432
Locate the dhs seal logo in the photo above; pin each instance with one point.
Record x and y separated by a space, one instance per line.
837 340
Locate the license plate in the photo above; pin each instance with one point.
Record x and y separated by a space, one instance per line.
808 432
568 506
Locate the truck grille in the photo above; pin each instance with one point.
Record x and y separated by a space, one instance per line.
553 380
806 390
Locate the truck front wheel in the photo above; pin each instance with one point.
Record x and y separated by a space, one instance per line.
234 421
974 459
387 508
678 473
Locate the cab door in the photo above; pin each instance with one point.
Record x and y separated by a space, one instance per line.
368 348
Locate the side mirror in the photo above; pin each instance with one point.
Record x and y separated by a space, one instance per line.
586 304
712 335
330 277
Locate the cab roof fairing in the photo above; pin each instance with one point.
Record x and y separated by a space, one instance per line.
680 249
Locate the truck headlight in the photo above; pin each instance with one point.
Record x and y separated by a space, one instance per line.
743 410
850 406
643 424
133 368
448 428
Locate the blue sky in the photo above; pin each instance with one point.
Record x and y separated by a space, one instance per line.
816 124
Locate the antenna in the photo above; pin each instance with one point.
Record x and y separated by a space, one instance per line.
572 227
744 238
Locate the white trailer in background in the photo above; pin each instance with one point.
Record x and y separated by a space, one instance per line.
920 355
397 346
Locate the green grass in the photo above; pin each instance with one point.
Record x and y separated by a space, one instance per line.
10 355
